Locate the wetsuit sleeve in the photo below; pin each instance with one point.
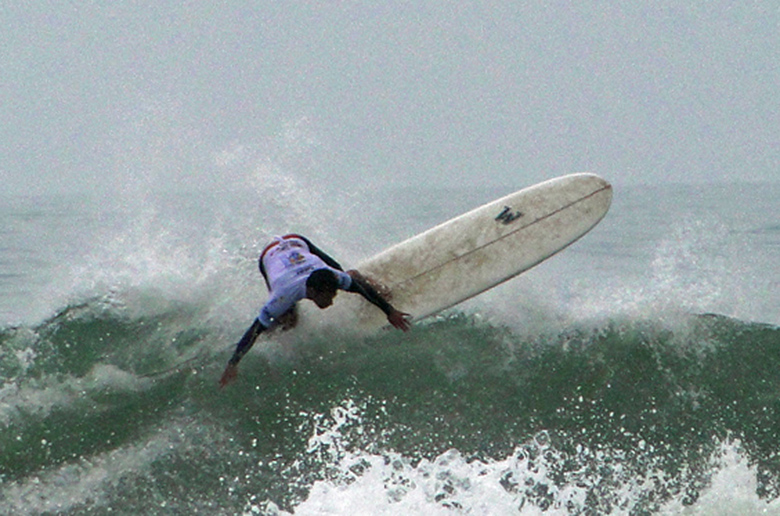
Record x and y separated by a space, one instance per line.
316 251
247 341
361 287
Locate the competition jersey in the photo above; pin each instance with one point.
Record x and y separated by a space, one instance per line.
288 263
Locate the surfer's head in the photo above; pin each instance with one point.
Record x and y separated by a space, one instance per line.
321 287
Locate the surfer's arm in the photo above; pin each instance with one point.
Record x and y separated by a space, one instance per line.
244 345
322 255
247 341
396 318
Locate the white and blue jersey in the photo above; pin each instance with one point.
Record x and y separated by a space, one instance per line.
287 264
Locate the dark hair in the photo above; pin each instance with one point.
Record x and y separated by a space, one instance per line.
323 280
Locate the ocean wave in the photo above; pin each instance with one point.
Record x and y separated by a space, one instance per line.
633 413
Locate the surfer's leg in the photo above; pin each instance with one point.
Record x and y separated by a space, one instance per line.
289 319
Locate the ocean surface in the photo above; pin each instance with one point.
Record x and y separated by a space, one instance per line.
636 372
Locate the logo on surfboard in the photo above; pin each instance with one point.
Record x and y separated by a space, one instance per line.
508 215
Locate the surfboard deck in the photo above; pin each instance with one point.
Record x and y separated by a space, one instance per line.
474 252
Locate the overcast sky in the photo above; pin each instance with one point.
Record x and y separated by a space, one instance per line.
95 95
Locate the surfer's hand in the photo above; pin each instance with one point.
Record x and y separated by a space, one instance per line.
399 320
231 371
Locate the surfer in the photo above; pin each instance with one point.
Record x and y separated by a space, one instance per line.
295 269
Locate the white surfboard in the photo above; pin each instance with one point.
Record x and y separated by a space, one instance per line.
476 251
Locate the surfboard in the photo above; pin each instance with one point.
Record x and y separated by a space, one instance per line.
476 251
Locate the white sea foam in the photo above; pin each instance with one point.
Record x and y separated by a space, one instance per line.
390 484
